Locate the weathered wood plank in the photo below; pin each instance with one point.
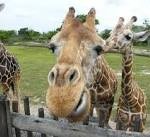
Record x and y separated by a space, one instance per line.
51 127
41 115
15 107
27 112
5 120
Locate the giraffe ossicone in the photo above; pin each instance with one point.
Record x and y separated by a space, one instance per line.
81 77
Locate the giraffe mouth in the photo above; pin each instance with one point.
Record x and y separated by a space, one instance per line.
81 106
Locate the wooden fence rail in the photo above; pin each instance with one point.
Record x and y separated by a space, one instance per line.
52 127
48 126
138 53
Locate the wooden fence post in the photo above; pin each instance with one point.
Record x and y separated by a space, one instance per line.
41 115
5 120
27 112
15 107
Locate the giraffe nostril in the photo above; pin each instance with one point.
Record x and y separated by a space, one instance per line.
128 37
51 76
73 76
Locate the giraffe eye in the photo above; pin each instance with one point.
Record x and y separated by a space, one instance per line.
128 37
52 47
98 49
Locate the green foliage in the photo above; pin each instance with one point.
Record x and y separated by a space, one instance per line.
82 18
147 24
137 28
28 34
105 33
6 36
49 34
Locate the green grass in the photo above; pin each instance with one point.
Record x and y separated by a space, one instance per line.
144 46
140 69
36 63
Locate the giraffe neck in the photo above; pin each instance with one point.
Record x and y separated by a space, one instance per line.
126 84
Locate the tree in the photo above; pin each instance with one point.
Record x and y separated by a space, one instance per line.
146 23
147 27
82 18
137 28
28 34
7 36
105 33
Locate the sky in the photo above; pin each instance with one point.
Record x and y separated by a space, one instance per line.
45 15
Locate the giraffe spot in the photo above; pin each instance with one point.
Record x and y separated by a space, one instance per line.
144 108
123 74
141 99
93 95
3 62
104 82
12 65
1 58
99 89
122 84
128 89
127 68
15 67
123 117
6 72
127 78
136 108
9 58
129 61
4 79
8 64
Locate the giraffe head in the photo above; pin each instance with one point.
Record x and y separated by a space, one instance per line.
76 45
123 36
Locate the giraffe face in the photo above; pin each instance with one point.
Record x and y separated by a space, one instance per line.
123 36
125 39
77 45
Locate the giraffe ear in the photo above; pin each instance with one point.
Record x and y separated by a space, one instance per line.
2 5
69 17
90 19
141 36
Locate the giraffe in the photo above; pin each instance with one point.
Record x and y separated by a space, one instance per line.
9 72
132 101
81 78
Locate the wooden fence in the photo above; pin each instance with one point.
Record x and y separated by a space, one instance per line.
13 123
